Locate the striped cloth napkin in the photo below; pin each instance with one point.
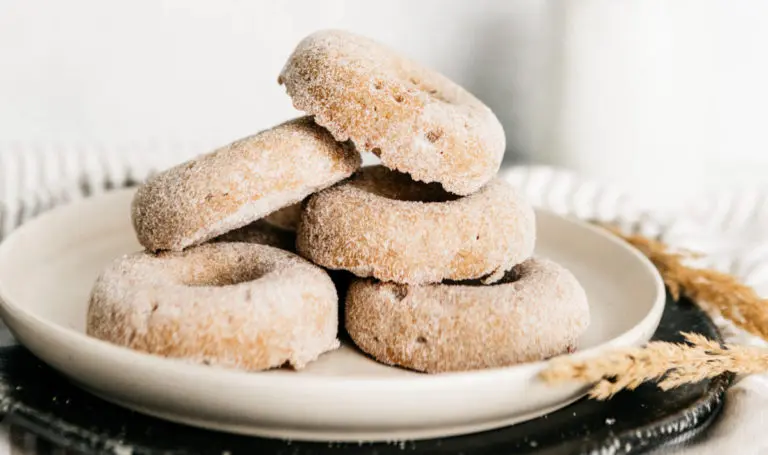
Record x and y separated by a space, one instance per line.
730 227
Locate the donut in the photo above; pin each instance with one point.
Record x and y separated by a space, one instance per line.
233 305
414 119
261 232
381 224
237 184
537 311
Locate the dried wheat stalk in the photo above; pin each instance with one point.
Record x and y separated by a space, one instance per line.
672 364
675 364
715 292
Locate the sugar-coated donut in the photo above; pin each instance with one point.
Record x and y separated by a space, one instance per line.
538 311
416 120
234 305
239 183
382 224
261 232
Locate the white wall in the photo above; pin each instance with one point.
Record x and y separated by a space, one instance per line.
204 70
666 95
660 95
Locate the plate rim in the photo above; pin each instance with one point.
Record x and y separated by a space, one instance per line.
9 307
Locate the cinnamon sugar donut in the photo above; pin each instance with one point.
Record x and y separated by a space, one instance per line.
416 120
382 224
237 184
235 305
537 311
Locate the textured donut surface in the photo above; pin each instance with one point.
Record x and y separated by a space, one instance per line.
382 224
416 120
234 305
537 311
237 184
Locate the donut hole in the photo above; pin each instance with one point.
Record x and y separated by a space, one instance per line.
220 275
222 280
389 184
414 192
511 276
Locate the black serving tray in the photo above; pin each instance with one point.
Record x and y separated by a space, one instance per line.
40 401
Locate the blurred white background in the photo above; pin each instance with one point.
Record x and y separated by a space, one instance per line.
662 96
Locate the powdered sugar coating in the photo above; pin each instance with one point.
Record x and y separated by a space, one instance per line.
234 305
415 119
376 225
537 311
239 183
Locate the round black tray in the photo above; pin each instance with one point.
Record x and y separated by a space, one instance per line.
38 399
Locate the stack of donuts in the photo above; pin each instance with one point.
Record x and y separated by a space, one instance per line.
251 252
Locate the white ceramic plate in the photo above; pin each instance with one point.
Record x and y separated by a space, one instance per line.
47 268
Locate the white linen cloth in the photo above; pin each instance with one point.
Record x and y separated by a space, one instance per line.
730 227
